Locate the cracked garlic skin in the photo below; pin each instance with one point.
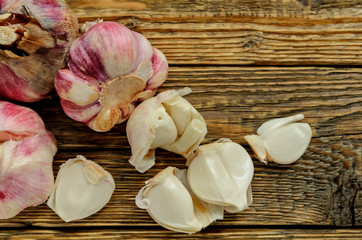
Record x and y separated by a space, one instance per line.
26 158
221 173
166 121
170 202
35 37
281 140
111 69
81 189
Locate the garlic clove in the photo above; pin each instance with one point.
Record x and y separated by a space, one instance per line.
221 173
141 131
268 127
288 143
181 131
205 212
281 140
26 173
78 113
171 205
81 189
164 128
121 65
68 83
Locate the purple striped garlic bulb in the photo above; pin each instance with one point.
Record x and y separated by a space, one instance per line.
35 37
26 157
111 69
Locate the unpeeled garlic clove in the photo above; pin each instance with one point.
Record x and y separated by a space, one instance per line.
167 121
26 157
111 70
171 204
81 189
281 140
221 173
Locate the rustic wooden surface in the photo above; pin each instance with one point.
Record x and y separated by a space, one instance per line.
246 62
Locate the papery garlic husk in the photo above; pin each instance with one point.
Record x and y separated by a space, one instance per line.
111 69
81 189
281 140
166 121
221 173
170 202
35 37
26 157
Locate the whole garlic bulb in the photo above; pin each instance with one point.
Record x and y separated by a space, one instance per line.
26 157
81 189
221 173
170 202
281 140
167 121
111 68
35 37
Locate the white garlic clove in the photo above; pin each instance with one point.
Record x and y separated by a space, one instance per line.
167 121
281 140
170 204
288 143
81 189
221 173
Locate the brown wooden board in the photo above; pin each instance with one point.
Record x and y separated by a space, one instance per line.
210 233
291 32
322 188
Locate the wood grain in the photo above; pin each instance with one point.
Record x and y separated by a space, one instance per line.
210 233
290 32
320 189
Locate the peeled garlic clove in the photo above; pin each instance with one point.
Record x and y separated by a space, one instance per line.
26 157
172 206
221 173
35 37
167 121
281 140
81 189
111 67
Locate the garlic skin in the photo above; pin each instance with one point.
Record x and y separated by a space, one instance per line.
26 157
167 121
111 69
171 204
221 173
81 189
35 37
281 140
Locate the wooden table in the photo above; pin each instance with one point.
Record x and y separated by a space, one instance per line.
247 62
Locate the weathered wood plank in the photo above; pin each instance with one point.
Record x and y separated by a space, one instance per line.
236 100
230 11
210 233
241 32
322 188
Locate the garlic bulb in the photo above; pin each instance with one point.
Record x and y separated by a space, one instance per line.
81 189
35 37
167 121
221 173
26 157
281 140
170 202
111 68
